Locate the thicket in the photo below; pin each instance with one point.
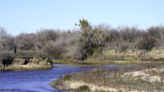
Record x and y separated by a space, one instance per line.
80 44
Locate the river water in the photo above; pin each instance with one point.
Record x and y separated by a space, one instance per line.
36 80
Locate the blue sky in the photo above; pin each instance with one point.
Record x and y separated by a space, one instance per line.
18 16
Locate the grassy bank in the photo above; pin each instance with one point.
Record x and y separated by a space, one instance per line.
25 67
19 64
79 63
112 57
124 78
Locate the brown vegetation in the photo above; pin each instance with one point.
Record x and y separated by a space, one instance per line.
27 64
122 78
86 44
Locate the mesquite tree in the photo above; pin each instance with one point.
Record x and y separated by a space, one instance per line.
92 39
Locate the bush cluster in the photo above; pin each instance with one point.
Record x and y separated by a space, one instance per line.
82 43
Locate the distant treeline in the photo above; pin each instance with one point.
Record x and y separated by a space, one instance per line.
82 43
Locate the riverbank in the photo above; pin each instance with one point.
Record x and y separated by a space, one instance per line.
19 64
95 62
113 57
17 67
123 78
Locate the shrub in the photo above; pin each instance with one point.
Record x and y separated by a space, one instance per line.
67 77
91 40
26 41
4 54
146 43
54 49
83 88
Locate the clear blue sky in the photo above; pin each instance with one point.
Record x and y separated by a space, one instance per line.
18 16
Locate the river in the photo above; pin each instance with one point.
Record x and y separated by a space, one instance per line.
36 80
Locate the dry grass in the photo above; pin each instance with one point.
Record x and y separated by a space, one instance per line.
112 57
16 67
136 55
112 78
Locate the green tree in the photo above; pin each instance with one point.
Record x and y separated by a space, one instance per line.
91 40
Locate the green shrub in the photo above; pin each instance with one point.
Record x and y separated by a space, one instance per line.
83 88
67 77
